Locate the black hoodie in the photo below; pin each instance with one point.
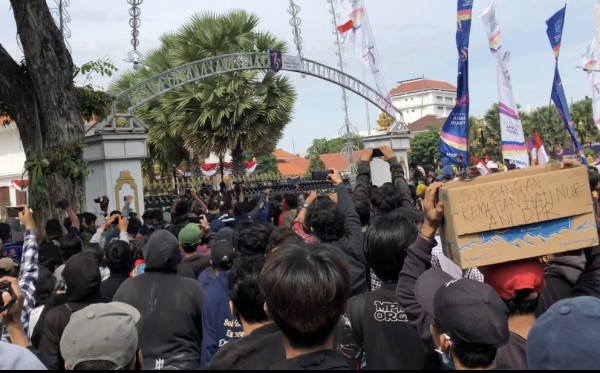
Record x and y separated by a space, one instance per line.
170 306
82 277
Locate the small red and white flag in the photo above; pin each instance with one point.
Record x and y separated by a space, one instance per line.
539 154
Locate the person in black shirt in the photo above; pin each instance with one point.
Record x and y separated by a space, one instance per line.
306 290
262 344
374 323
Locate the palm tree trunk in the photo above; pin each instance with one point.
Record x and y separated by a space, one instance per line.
237 156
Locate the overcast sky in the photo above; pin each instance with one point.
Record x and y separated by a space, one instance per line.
415 38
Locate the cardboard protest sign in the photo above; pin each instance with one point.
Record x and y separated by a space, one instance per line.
518 214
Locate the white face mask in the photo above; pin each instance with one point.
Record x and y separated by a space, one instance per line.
446 358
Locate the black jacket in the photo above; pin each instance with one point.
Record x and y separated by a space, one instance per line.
351 244
170 306
197 262
259 350
82 277
109 287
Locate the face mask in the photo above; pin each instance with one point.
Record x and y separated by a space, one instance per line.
446 359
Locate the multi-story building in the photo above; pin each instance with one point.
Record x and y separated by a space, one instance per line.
418 98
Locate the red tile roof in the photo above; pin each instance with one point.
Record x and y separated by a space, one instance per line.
421 85
290 164
425 123
337 161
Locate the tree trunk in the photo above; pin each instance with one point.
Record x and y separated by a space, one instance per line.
43 103
237 156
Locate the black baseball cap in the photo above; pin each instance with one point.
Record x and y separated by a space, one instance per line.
465 309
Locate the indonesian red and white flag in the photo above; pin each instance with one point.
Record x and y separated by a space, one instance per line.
539 153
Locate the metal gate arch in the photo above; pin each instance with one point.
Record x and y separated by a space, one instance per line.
141 93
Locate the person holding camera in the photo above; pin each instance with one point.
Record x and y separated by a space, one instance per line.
29 270
322 220
15 355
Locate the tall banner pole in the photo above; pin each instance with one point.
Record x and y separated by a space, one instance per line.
511 129
555 30
590 66
454 137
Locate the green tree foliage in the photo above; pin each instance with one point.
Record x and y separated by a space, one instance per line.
237 112
316 164
583 122
93 101
267 164
425 148
336 145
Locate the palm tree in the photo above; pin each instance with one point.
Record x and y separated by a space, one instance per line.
237 112
583 122
547 122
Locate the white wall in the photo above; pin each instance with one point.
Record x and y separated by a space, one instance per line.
12 156
416 105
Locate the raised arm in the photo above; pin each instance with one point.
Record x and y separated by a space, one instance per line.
352 228
199 201
398 178
362 191
28 274
418 260
126 211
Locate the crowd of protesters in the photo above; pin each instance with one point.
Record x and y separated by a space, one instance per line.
349 280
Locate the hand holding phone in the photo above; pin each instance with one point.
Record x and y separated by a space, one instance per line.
13 211
377 153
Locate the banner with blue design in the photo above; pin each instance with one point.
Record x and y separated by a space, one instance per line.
555 28
454 136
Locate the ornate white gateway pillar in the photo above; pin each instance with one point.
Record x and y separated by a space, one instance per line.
397 139
114 155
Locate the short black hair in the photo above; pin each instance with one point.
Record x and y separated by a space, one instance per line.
44 286
4 232
386 244
95 249
363 209
250 238
137 248
241 208
386 198
283 235
134 226
326 220
520 305
119 258
181 208
306 289
248 301
473 355
53 229
70 246
88 218
291 200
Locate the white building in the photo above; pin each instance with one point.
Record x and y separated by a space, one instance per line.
12 160
420 97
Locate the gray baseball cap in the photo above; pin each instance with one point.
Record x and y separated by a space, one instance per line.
101 332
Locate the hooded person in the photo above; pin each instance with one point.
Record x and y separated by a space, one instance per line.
447 170
169 302
189 239
82 278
